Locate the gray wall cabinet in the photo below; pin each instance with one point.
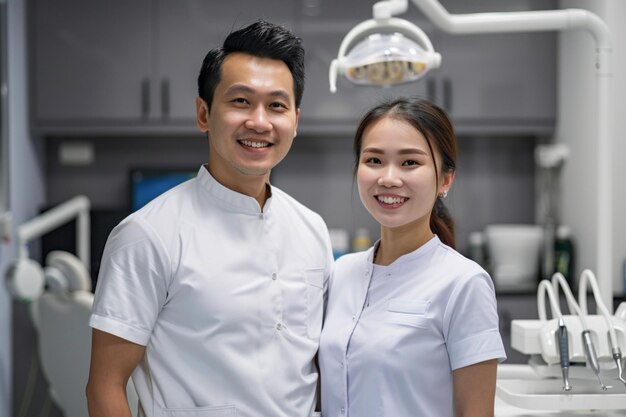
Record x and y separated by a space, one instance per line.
118 66
507 81
131 67
91 61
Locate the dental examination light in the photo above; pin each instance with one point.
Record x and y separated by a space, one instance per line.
26 279
396 67
394 50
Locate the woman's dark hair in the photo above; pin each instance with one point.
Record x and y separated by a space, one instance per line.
434 124
261 39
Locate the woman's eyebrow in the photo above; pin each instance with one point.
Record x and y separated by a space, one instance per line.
405 151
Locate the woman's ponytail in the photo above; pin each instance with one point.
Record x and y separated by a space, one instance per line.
441 223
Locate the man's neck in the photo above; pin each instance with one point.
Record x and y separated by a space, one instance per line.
256 187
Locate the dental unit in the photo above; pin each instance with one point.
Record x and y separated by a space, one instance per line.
581 346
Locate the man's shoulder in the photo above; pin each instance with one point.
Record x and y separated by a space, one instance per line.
158 217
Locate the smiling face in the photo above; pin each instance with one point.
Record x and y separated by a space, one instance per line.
252 120
396 175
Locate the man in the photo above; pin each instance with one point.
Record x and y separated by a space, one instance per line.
211 295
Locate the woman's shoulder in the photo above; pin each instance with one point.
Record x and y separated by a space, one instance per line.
351 263
456 261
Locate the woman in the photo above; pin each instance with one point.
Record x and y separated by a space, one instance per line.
411 327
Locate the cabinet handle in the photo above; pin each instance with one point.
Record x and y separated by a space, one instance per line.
431 90
165 97
145 97
447 95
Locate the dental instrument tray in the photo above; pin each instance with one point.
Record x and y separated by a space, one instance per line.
544 390
547 394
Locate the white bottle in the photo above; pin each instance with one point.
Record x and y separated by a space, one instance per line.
339 240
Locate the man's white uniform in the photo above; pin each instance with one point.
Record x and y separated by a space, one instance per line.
226 297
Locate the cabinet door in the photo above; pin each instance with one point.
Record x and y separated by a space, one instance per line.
497 81
188 29
503 78
91 61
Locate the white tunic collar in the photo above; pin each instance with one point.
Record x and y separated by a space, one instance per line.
230 199
414 256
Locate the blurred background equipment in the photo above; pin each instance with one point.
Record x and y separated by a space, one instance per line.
60 297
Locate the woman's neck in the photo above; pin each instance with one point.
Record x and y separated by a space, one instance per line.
397 242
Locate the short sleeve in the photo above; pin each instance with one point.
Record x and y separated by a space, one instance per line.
132 283
471 323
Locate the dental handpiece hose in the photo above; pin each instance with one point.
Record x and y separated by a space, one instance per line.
564 354
617 357
592 358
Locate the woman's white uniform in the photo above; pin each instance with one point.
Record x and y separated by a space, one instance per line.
393 334
226 298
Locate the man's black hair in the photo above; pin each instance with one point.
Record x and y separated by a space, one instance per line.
261 39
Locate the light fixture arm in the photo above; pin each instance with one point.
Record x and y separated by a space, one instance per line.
502 22
388 8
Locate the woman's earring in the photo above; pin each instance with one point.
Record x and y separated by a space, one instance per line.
443 195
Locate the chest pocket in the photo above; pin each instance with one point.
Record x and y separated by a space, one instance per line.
407 312
314 301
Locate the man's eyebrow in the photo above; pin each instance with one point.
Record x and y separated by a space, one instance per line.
240 88
281 94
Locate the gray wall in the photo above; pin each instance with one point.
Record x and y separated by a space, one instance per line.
26 192
494 183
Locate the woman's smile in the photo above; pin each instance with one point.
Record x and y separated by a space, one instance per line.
390 201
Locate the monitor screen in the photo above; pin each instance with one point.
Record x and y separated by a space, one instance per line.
147 184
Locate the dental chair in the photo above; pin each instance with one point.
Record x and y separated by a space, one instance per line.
61 319
60 299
